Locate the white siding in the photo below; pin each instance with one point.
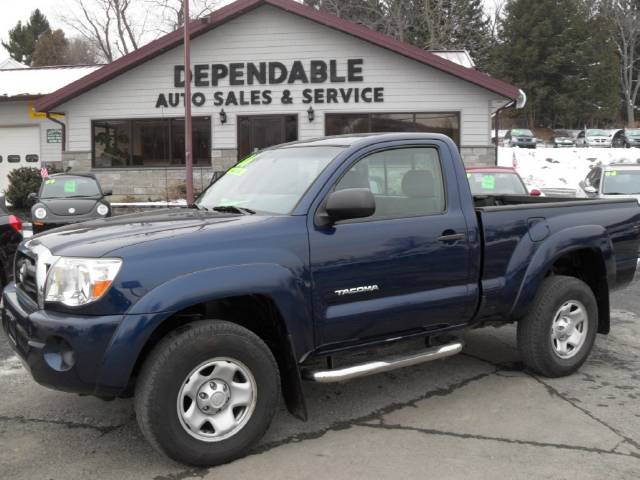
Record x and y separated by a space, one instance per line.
13 114
268 34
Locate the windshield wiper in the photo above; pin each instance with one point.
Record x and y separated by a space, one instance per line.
233 209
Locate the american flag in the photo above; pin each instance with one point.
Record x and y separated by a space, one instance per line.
44 172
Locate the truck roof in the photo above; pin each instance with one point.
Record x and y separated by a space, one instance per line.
362 138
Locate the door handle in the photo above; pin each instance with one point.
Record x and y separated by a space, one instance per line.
451 237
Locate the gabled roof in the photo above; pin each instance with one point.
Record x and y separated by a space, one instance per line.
240 7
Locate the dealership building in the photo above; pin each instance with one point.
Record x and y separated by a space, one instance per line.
264 72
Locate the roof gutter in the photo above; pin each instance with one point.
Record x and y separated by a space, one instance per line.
62 125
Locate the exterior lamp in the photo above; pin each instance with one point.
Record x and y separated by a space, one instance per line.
311 114
223 116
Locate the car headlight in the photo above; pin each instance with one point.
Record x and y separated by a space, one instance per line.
40 213
78 281
102 209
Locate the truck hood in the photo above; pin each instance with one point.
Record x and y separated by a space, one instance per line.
97 238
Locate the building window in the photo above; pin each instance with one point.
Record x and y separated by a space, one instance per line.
261 131
447 123
31 158
13 158
149 142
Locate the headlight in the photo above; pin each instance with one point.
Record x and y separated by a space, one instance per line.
40 213
78 281
103 209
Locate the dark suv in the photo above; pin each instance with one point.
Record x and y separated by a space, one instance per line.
520 137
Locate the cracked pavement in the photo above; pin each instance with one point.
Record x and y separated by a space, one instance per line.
476 415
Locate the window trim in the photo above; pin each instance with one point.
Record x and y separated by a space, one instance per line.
445 211
457 113
130 121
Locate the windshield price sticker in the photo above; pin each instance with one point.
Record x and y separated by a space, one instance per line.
51 181
611 173
488 182
239 169
70 186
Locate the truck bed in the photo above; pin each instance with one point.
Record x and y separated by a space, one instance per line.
520 233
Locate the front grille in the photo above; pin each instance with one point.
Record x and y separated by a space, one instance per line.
25 275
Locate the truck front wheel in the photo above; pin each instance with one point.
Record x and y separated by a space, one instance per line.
557 335
207 393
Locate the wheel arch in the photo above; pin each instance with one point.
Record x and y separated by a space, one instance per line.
590 259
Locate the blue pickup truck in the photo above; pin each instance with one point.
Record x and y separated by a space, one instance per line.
289 267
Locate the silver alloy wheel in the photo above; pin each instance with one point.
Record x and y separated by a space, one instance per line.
217 399
569 329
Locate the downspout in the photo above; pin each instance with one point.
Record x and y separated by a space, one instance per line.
63 127
519 103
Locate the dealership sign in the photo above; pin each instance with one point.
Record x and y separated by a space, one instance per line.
248 84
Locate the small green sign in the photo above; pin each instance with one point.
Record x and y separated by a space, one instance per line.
611 173
70 186
239 169
54 135
488 182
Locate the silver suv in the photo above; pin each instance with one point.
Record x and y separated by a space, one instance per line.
612 181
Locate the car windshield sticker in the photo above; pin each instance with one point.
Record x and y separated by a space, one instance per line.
51 181
239 169
611 173
488 182
70 186
468 175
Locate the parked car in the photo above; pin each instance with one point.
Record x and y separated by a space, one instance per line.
497 181
520 137
290 268
593 137
627 138
562 138
10 237
616 180
68 198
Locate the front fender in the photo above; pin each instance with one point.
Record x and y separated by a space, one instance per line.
287 290
593 237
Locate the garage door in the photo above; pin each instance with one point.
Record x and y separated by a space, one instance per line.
19 147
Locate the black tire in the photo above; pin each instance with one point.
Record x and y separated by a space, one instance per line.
168 366
534 330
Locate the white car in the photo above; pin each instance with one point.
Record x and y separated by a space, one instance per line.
593 137
617 180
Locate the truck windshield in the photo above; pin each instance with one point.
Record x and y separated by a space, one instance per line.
621 182
494 183
521 132
272 181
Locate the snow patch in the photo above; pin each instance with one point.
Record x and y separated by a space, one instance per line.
10 366
561 168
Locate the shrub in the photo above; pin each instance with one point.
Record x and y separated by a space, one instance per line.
22 182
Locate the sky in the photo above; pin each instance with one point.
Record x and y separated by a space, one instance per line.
12 11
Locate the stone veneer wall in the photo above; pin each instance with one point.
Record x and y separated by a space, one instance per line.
479 155
149 184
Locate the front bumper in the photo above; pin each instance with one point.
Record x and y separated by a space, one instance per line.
60 351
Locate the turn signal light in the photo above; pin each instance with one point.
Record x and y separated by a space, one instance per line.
99 287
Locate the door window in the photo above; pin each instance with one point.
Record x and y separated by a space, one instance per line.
405 182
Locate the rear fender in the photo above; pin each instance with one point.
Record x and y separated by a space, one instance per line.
592 237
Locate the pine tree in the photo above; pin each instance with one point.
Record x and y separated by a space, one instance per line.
23 38
553 51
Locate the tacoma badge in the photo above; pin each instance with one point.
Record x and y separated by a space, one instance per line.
351 291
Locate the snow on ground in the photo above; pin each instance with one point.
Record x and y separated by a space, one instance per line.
560 168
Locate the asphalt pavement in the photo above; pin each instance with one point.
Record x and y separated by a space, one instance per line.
476 415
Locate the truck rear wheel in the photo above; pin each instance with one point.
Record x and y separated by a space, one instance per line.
557 335
207 393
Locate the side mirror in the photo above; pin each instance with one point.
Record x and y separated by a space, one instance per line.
350 203
108 192
590 190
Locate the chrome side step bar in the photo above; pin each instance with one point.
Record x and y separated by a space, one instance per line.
384 365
